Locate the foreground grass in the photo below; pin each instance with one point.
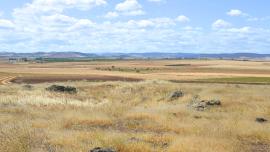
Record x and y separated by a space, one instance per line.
133 117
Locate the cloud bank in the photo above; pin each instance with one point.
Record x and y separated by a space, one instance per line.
44 25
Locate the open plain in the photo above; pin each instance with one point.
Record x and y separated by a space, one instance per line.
136 106
134 70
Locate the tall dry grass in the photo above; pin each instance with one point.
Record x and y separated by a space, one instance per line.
133 117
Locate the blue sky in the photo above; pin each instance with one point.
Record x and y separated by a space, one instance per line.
98 26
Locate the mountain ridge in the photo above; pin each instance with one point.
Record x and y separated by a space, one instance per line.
147 55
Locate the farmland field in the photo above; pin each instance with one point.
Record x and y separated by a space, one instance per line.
136 106
137 70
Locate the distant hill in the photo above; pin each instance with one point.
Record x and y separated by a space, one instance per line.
150 55
47 55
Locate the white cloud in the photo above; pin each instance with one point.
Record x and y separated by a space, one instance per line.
130 7
243 39
154 22
221 24
111 15
182 19
37 27
156 0
63 4
57 18
245 29
235 12
6 24
163 22
141 23
48 15
266 18
82 24
64 33
50 6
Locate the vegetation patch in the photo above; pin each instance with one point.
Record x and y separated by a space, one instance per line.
178 65
35 79
28 87
261 120
240 80
127 69
75 59
52 60
63 89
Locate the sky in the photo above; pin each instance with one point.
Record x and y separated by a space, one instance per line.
101 26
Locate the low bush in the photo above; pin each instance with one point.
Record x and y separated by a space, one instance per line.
63 89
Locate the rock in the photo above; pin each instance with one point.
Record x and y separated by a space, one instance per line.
261 120
175 95
197 117
64 89
164 145
99 149
213 103
202 105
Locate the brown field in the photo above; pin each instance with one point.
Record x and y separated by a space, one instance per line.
132 110
135 69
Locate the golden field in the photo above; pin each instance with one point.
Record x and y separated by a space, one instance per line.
136 116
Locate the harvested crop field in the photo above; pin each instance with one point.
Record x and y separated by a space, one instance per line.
135 70
60 78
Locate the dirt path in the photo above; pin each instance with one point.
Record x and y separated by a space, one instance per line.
6 80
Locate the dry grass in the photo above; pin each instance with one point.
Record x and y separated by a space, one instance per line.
19 136
133 117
